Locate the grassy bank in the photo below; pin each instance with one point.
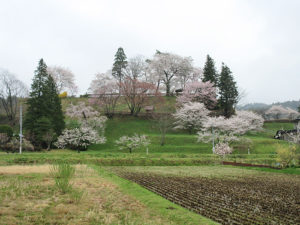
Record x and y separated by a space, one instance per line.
28 195
181 148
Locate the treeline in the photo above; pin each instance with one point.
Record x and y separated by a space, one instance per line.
164 74
135 79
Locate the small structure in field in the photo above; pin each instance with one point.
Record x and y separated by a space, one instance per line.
179 91
149 109
297 124
286 134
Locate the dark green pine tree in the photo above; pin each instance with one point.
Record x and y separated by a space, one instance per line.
44 112
119 65
228 93
209 71
56 114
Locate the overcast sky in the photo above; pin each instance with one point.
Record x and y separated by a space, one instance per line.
258 39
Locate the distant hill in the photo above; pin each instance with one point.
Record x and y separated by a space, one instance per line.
262 106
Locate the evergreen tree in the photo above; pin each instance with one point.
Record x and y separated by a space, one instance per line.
119 65
227 91
210 72
44 110
56 113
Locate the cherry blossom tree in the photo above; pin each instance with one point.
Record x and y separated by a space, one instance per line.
227 130
79 138
131 143
292 114
168 67
255 121
279 112
223 149
276 112
196 91
81 111
137 94
105 93
197 74
190 116
63 78
90 131
163 121
87 116
136 68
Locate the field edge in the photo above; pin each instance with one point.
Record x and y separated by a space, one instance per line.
157 203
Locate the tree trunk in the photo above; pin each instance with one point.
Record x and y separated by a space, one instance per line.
168 87
163 138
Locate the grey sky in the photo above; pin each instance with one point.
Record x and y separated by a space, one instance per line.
258 39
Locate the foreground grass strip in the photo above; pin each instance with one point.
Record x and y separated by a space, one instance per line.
159 206
32 197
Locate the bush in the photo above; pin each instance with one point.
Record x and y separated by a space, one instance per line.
3 139
63 95
6 129
286 156
14 145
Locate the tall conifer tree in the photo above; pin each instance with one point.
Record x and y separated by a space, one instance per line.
209 71
119 65
44 112
227 91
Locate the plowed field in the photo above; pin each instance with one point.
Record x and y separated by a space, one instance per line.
249 200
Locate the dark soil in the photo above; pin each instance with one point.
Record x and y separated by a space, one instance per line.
253 200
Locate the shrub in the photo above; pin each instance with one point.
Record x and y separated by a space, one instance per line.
14 145
3 138
62 174
63 95
6 129
286 156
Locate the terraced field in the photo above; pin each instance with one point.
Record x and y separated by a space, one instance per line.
254 198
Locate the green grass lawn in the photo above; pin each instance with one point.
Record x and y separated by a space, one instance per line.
181 141
181 148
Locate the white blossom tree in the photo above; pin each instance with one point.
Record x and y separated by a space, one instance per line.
131 143
190 116
63 78
197 74
196 91
223 149
227 130
81 111
279 112
105 93
255 121
168 67
136 68
90 131
79 138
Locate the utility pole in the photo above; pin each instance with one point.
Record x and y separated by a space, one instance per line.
21 133
213 139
